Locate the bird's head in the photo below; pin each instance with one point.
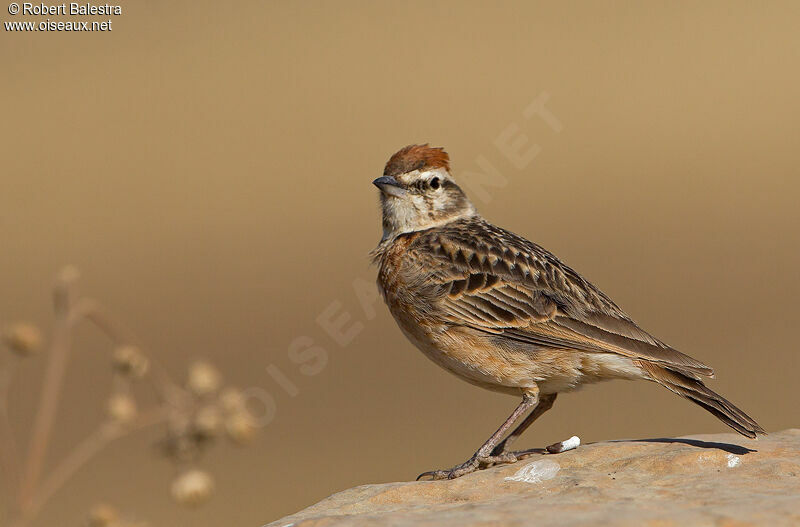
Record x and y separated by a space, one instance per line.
418 192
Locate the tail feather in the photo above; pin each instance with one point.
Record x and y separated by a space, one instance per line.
697 392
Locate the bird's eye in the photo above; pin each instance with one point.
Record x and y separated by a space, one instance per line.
434 183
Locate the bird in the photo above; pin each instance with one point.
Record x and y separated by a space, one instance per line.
505 314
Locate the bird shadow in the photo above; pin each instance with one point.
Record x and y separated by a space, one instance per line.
727 447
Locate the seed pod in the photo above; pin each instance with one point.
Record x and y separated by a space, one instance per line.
192 488
129 361
240 427
23 339
204 378
206 423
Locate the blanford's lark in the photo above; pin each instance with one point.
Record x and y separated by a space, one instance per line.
505 314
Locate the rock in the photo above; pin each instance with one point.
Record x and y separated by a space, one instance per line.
718 480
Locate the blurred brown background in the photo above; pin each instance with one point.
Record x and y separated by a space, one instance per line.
207 166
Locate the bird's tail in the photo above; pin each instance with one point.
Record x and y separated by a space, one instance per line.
693 389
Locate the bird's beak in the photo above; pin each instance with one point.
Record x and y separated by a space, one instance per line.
390 186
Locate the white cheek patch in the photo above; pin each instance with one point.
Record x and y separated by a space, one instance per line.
419 202
400 209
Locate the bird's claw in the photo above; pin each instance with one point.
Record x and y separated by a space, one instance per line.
471 465
433 475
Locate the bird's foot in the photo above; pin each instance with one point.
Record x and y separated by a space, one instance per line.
498 456
471 465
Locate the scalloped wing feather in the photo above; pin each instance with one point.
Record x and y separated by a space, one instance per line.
501 284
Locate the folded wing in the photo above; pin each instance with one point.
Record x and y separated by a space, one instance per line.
505 286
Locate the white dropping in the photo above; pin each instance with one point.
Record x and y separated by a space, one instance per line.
536 472
733 461
570 444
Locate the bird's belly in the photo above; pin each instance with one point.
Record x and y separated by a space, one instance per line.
477 366
471 359
476 359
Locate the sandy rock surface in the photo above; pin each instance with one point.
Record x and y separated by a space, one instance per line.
720 480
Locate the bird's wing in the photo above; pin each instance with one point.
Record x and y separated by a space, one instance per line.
501 284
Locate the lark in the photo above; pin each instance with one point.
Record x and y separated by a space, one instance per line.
507 315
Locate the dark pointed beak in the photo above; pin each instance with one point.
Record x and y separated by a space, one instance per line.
390 186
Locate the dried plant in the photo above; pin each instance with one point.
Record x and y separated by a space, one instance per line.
192 415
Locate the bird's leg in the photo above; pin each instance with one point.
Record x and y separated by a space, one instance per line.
545 403
484 454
